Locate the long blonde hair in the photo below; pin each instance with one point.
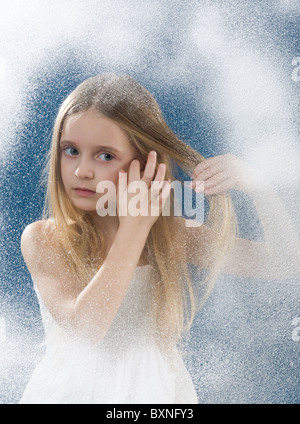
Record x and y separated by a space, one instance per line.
127 103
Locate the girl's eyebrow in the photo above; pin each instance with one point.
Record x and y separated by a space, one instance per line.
109 148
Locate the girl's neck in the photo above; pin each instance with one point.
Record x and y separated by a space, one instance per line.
107 224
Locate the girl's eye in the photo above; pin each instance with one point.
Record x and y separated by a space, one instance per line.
71 151
106 156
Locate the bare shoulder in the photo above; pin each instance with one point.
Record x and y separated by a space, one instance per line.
37 240
37 234
34 231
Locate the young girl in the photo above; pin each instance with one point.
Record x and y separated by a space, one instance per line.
115 290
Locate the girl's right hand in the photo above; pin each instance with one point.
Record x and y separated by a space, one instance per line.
140 199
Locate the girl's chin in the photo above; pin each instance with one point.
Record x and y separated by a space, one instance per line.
84 206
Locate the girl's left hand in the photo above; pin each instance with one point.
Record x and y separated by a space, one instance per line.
222 173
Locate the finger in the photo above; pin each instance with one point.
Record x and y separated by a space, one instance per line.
209 172
166 188
161 172
199 168
209 179
164 196
198 186
150 168
218 188
160 191
206 163
158 181
214 163
134 173
214 180
122 181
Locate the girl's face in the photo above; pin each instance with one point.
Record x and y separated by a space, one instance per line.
93 149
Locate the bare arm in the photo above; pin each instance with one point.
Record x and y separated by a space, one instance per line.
95 307
278 257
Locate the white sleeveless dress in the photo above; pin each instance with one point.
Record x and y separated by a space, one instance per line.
126 367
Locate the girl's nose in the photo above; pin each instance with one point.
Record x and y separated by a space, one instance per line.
84 171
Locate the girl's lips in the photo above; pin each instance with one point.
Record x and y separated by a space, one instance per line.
82 191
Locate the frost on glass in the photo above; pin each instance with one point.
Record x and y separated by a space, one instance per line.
227 77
